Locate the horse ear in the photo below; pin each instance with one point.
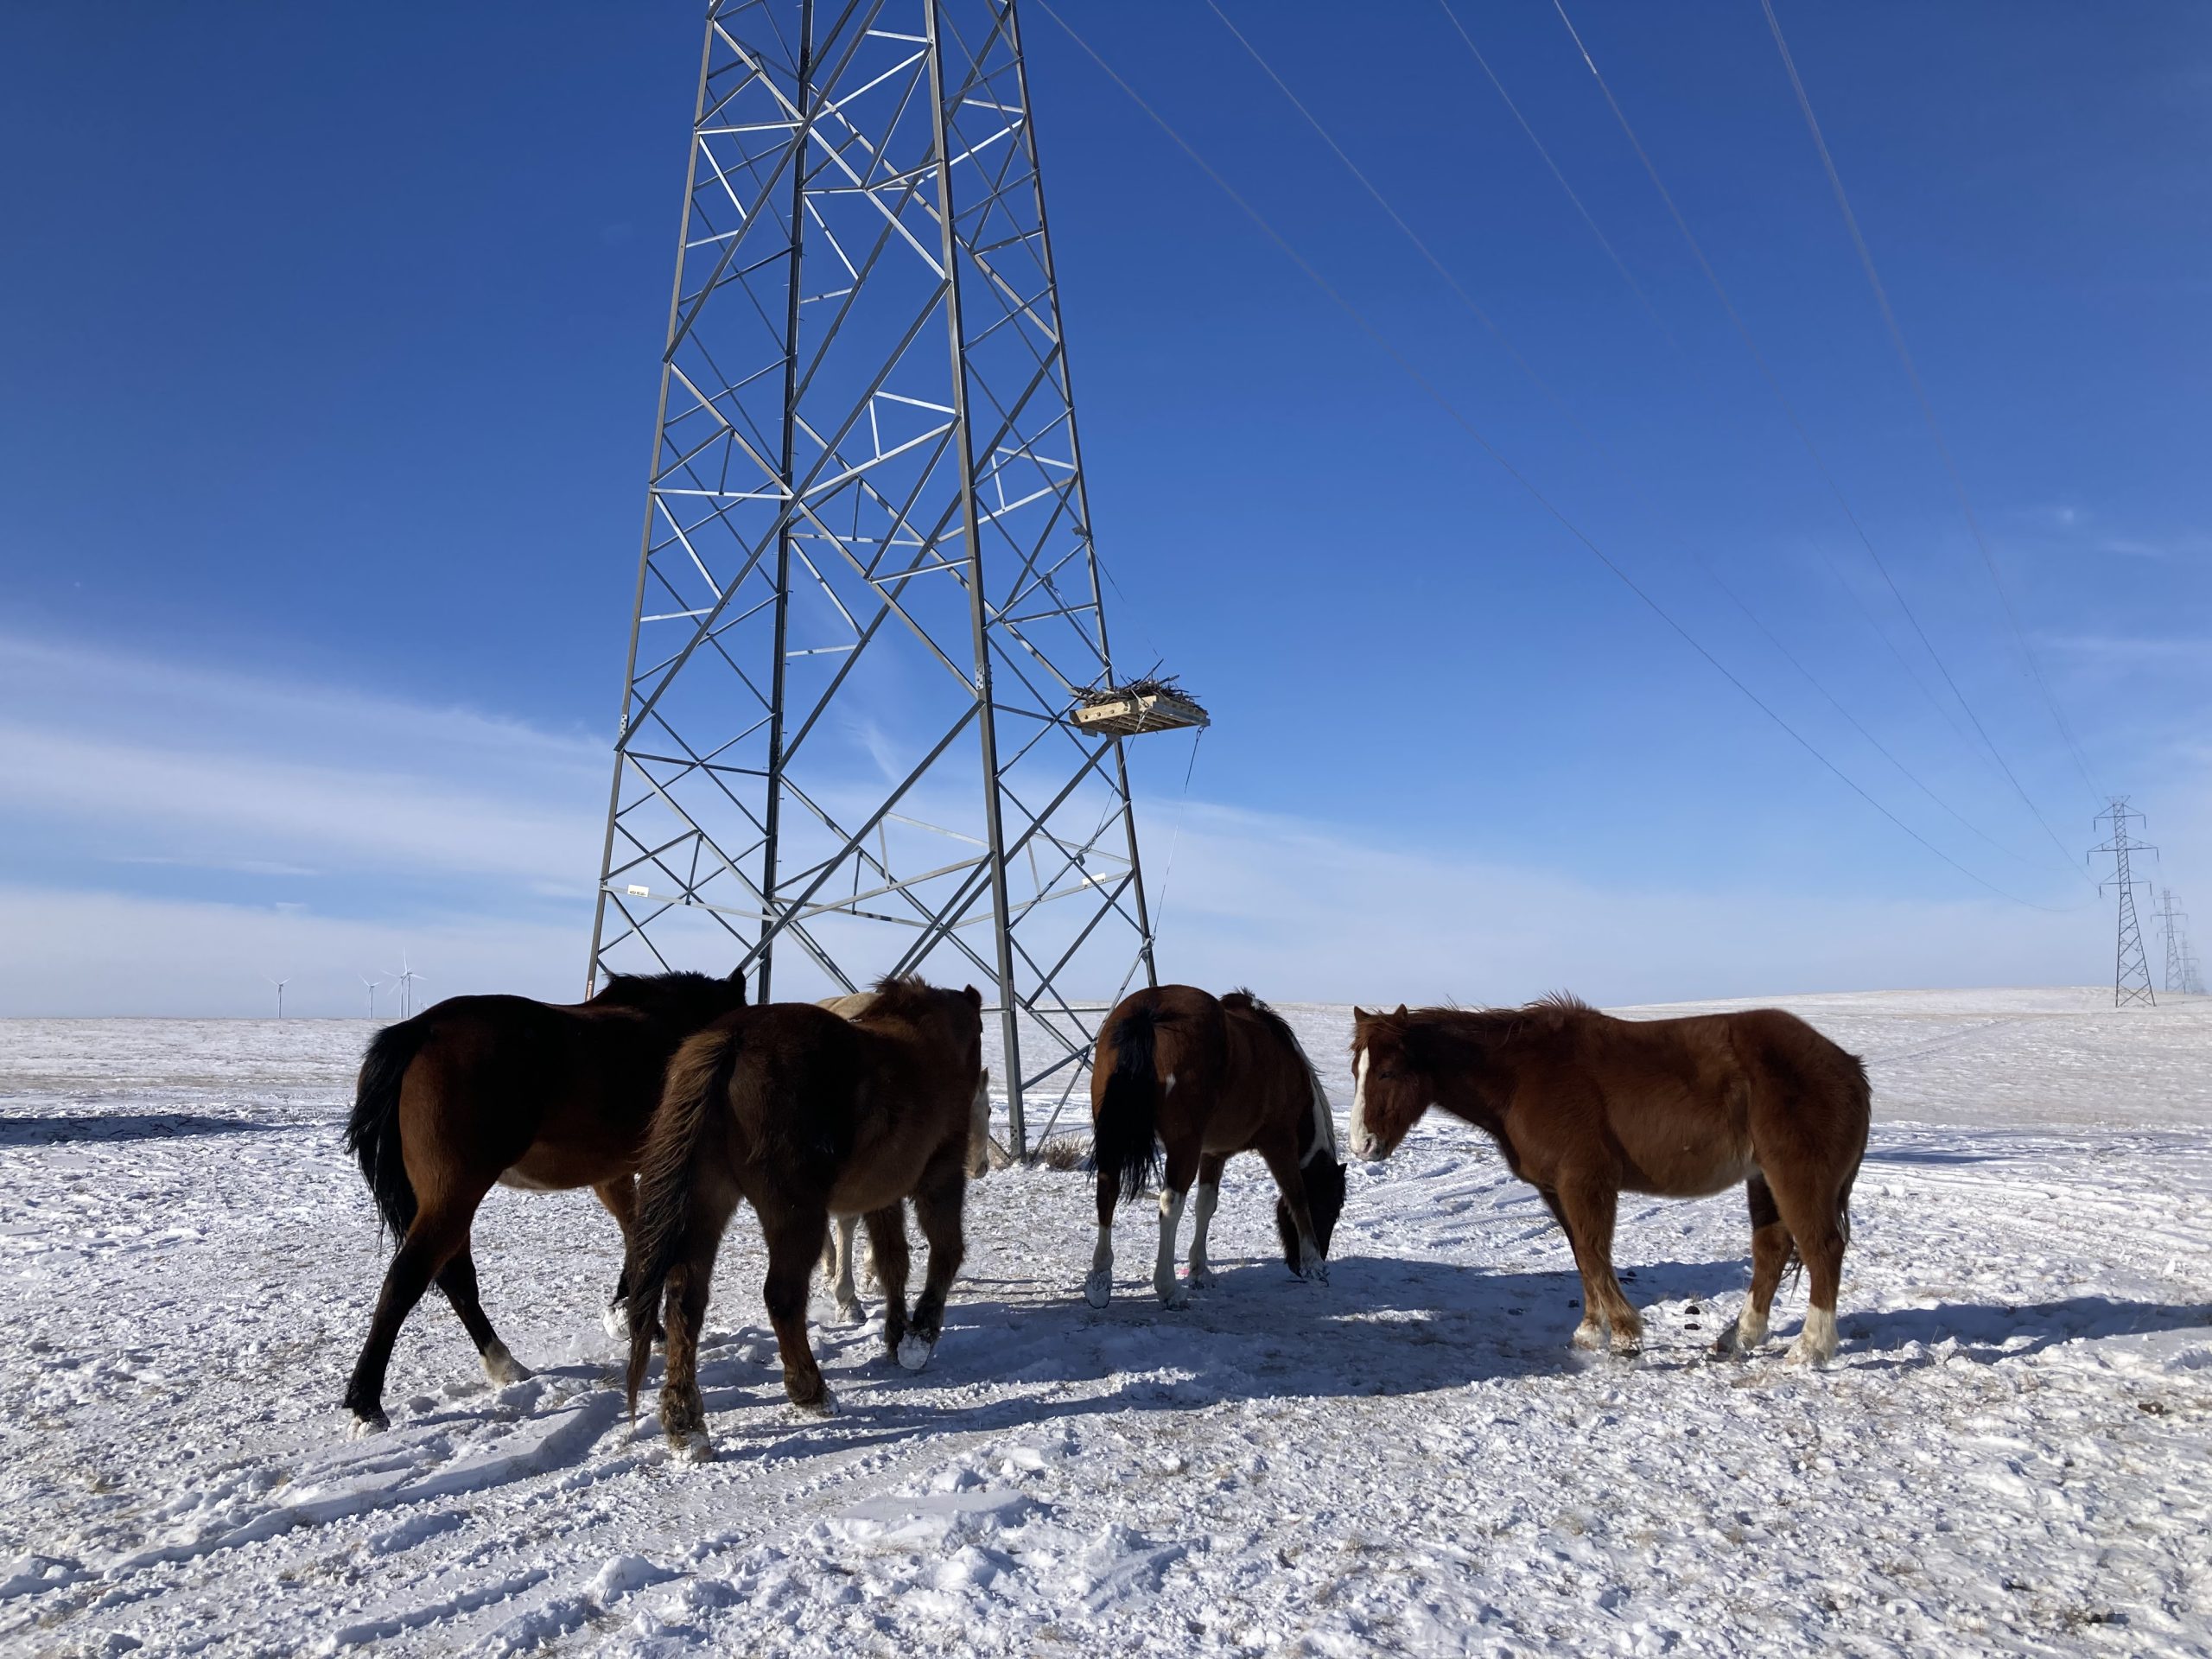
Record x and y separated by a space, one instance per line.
1359 1014
976 997
1401 1014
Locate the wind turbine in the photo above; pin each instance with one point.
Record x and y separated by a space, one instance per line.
407 977
373 984
280 984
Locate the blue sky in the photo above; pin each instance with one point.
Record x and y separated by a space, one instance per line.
327 340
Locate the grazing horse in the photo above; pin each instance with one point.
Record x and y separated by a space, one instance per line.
1586 1107
1204 1080
479 1090
804 1115
837 1253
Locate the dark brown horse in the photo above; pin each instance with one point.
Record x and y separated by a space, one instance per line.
1203 1080
804 1115
837 1253
1586 1107
479 1090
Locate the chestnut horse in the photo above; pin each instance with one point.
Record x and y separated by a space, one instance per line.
1204 1080
1586 1107
479 1090
837 1253
804 1115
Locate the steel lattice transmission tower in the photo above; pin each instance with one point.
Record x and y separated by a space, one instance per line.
867 593
2173 923
2131 979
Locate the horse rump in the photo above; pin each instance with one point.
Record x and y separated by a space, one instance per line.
1124 1134
698 1084
372 1130
1324 1178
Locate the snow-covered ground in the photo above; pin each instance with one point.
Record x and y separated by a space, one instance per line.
2013 1454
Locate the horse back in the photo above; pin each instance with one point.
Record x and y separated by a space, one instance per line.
496 1077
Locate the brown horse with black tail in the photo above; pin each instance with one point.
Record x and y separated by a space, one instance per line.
1586 1107
805 1115
482 1091
1202 1079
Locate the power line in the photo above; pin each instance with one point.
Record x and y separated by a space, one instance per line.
1850 588
1788 408
1920 393
1527 484
1596 444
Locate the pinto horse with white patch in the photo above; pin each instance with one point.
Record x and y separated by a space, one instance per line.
478 1091
1586 1107
1202 1079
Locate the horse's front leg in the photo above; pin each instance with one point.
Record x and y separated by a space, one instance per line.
1174 1188
1203 1204
620 1199
1585 1205
937 1204
1290 1181
887 1243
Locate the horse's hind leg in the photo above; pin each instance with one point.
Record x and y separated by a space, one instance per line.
437 1233
1098 1284
1770 1248
457 1279
1174 1185
795 1239
938 1202
1812 1209
1588 1206
1204 1201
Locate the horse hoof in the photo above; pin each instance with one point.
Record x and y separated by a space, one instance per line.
1816 1344
1174 1298
851 1313
693 1447
1315 1272
1201 1279
502 1368
914 1352
614 1319
366 1423
824 1405
1588 1336
1098 1289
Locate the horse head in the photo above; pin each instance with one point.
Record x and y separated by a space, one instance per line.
683 998
1392 1082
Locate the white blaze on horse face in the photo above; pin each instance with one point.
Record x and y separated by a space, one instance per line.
1362 1138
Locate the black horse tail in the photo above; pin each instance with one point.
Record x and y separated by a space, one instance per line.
1124 1142
697 1085
372 1131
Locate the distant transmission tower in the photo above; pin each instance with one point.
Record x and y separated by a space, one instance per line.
2173 922
868 599
2131 980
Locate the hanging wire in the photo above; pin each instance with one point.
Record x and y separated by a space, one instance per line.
1920 393
1453 413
